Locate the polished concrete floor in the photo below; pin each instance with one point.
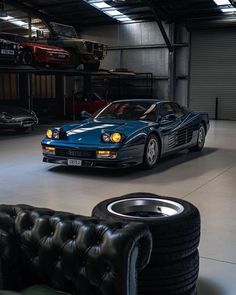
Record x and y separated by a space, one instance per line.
208 180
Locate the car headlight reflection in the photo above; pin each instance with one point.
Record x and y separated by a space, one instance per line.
49 133
53 133
106 137
56 134
113 137
116 137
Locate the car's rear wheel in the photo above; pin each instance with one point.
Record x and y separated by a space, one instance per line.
27 57
151 152
201 139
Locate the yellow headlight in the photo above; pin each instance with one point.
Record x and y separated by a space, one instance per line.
49 133
116 137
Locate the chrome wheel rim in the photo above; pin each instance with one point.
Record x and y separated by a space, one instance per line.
201 137
145 208
152 151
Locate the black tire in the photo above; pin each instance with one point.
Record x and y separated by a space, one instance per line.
27 57
201 139
21 129
149 163
174 237
75 59
92 67
178 278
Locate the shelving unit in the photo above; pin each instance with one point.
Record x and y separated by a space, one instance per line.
110 85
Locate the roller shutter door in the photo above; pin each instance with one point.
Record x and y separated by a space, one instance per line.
213 72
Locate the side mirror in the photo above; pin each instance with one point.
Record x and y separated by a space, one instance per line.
170 117
85 115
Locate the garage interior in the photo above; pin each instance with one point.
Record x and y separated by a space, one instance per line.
182 51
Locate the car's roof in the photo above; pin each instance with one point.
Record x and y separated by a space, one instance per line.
140 100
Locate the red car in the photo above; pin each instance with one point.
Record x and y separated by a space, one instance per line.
90 103
34 53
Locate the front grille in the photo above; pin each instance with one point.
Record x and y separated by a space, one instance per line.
89 47
7 45
75 153
28 121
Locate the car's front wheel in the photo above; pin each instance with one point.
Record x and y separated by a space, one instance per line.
151 152
27 57
201 139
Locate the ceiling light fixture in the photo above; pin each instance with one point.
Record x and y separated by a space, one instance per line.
109 10
19 23
222 2
228 9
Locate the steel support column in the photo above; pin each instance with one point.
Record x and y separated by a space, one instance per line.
172 64
157 16
60 97
25 89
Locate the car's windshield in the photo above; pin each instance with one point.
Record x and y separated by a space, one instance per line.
62 30
129 111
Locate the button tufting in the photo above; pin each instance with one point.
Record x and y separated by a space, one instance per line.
74 237
52 233
108 268
59 258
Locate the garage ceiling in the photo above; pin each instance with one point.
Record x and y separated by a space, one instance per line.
80 13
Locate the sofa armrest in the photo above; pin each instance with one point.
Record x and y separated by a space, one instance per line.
10 275
125 250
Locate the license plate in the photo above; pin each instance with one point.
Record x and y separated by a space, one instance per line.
26 125
61 56
9 52
72 162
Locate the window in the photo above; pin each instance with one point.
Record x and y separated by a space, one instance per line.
166 109
178 110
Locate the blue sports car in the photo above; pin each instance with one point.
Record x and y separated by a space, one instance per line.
126 133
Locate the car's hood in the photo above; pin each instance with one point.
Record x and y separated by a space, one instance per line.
89 131
44 47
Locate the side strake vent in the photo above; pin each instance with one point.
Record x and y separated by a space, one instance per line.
181 137
185 135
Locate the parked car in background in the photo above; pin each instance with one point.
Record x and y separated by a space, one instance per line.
127 133
17 118
9 51
90 103
82 52
34 53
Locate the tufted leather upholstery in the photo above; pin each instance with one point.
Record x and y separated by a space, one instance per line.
71 253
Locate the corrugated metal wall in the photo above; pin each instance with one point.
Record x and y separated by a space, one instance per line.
9 87
137 47
213 72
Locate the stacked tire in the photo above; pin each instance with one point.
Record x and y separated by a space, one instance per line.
175 227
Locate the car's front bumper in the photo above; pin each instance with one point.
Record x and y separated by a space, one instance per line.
25 123
93 163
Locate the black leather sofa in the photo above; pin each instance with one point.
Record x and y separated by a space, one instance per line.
69 253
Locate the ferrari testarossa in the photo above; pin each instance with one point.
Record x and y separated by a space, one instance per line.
126 133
